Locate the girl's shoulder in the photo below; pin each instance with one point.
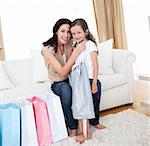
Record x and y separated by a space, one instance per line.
90 43
91 46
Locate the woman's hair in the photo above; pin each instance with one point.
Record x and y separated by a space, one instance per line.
81 22
53 41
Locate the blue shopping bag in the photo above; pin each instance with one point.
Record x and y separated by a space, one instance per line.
10 125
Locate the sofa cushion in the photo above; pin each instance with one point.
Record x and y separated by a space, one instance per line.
19 71
40 73
105 57
111 81
24 91
4 80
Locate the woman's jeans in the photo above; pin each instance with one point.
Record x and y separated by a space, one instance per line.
96 102
64 91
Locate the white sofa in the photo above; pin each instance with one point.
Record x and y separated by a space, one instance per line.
17 80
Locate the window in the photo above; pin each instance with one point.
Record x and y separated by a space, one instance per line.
138 32
27 23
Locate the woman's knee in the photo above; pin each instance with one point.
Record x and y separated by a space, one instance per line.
66 94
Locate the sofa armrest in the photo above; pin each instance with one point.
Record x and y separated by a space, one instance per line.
123 63
121 60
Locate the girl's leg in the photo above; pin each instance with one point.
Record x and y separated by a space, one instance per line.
96 102
88 135
80 137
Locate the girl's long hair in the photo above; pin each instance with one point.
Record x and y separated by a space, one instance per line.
53 41
81 22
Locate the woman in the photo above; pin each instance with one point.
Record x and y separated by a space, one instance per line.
59 58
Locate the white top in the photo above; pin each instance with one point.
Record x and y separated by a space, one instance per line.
85 57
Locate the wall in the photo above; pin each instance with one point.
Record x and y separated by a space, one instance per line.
27 23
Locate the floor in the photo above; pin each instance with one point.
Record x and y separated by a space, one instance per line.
142 91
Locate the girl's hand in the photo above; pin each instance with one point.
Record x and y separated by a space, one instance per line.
94 88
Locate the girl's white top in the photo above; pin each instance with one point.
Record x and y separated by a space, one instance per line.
85 57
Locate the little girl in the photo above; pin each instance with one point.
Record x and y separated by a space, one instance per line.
83 79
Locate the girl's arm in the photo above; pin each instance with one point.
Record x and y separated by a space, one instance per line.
95 70
63 70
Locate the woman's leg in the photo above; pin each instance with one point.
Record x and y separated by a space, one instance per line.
64 91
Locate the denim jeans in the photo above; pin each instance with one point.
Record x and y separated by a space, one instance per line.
64 91
96 102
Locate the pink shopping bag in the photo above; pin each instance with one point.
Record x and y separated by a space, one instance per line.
42 121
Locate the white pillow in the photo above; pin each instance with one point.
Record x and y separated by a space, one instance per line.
19 71
105 57
40 73
4 80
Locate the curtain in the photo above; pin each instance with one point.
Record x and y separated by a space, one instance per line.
2 56
110 22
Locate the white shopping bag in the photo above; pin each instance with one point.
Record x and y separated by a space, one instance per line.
57 121
28 128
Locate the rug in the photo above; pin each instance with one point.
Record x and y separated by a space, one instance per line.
126 128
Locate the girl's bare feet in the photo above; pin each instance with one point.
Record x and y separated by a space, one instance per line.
80 138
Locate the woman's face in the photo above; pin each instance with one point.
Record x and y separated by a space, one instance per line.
78 33
63 34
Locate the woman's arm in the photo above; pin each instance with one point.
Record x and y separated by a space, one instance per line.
63 70
95 70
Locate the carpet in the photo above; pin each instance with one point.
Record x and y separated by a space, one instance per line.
126 128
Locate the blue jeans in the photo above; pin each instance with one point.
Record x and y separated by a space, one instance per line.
64 91
96 102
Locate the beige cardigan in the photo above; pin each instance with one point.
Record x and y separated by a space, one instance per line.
54 76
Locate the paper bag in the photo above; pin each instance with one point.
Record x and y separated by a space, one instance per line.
9 125
42 121
56 115
28 128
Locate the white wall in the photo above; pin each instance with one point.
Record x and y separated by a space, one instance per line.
136 14
27 23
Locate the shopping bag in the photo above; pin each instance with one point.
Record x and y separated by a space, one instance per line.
42 121
9 125
57 121
28 128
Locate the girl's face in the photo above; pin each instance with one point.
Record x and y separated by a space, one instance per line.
63 34
78 33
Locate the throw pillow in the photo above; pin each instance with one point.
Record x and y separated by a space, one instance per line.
40 73
4 80
105 57
19 71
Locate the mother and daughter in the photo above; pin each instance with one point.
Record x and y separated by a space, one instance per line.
71 59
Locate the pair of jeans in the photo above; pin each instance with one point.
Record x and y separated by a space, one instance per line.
96 102
64 91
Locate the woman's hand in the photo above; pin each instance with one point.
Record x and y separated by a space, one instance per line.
94 87
79 48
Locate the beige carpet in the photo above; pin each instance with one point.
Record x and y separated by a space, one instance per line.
127 128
